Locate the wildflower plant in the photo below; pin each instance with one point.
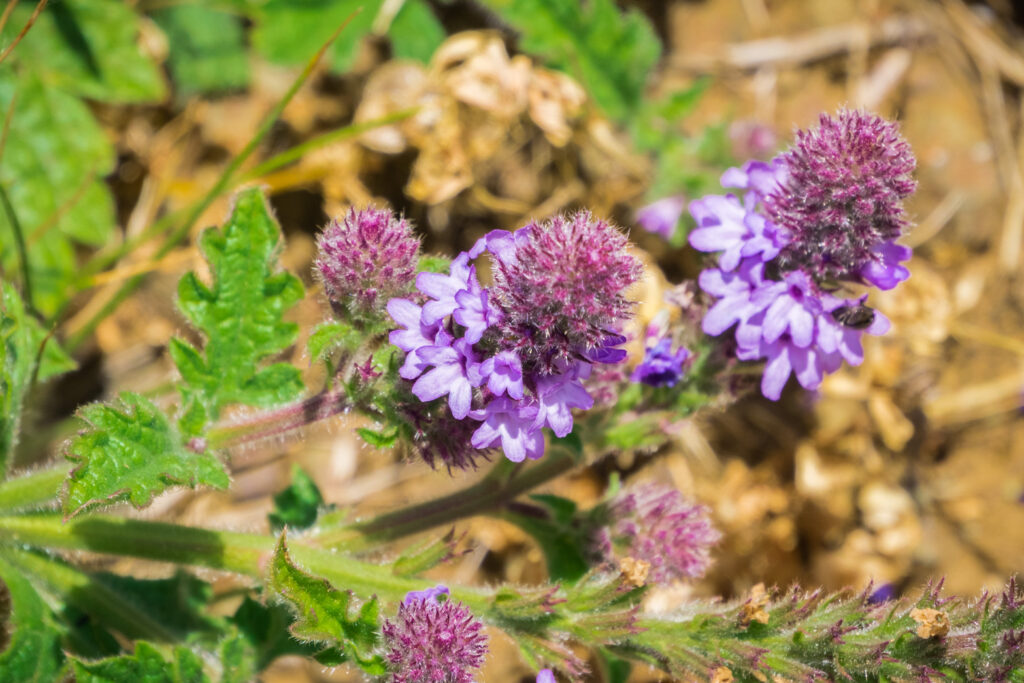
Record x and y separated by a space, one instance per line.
511 352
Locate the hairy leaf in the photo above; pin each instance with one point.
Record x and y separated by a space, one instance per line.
30 642
324 612
329 336
611 53
563 544
240 316
131 452
238 658
53 165
147 665
21 337
207 48
87 47
266 629
298 505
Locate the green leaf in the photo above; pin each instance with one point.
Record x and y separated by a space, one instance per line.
420 558
52 169
20 339
131 452
240 316
290 31
266 630
238 658
415 32
207 48
33 642
609 52
298 505
562 540
328 336
147 665
379 439
323 612
87 47
433 264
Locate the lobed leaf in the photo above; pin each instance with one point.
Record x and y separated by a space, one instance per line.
609 52
131 452
241 317
146 665
324 613
30 641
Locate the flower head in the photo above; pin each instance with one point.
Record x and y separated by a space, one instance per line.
654 523
561 289
842 199
366 258
433 641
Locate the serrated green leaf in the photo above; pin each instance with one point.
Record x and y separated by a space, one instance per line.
298 505
53 164
207 48
240 316
415 32
146 665
131 452
33 650
21 337
88 47
238 658
328 336
290 31
323 612
609 52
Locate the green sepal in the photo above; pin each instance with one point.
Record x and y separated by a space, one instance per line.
323 612
379 439
330 336
240 316
131 452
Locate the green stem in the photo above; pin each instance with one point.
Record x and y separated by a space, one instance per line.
19 243
487 495
35 490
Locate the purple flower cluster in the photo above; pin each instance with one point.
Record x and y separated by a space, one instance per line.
827 211
514 356
365 259
654 523
433 641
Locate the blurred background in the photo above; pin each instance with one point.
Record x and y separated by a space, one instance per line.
905 470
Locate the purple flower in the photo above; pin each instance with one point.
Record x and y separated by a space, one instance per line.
426 594
474 310
512 425
504 374
884 593
437 436
414 336
736 291
442 288
546 676
433 642
662 216
883 270
842 198
365 259
656 524
561 287
456 371
660 367
558 394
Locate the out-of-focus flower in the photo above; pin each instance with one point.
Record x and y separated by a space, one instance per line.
433 641
662 216
365 259
752 139
655 524
546 676
660 366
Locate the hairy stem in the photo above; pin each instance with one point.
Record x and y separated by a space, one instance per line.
35 490
487 495
280 421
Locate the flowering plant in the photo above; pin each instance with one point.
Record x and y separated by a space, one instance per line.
459 367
